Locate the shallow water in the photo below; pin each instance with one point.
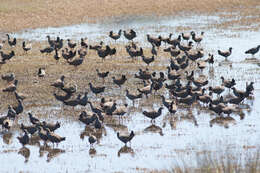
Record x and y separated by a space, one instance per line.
160 146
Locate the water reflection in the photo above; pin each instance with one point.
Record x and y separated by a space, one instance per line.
92 152
124 150
154 129
54 152
98 133
223 121
35 140
7 138
25 152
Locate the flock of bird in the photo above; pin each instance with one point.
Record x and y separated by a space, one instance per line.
179 79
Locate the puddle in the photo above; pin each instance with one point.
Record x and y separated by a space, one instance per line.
157 146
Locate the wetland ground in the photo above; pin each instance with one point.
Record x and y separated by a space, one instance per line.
173 143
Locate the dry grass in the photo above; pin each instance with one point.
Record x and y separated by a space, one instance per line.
16 15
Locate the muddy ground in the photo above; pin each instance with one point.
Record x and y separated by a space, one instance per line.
16 15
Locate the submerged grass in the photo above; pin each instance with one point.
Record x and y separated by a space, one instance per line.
227 161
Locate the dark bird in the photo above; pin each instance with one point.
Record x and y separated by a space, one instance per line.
70 88
112 51
51 42
54 138
172 108
173 65
20 96
47 50
12 43
185 64
165 102
92 139
185 36
59 83
174 52
30 129
23 139
217 89
157 85
86 118
147 60
239 93
51 127
77 61
71 44
125 138
102 53
119 81
115 36
172 75
174 42
153 50
180 60
185 48
201 65
19 108
120 110
42 133
95 109
134 52
83 43
188 100
26 47
146 90
96 90
228 83
210 59
7 56
253 50
132 96
197 38
225 53
144 74
57 55
154 41
68 54
199 82
73 102
102 75
84 100
9 77
130 35
62 98
153 114
33 120
250 87
183 94
11 113
194 55
109 109
11 87
96 47
217 109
